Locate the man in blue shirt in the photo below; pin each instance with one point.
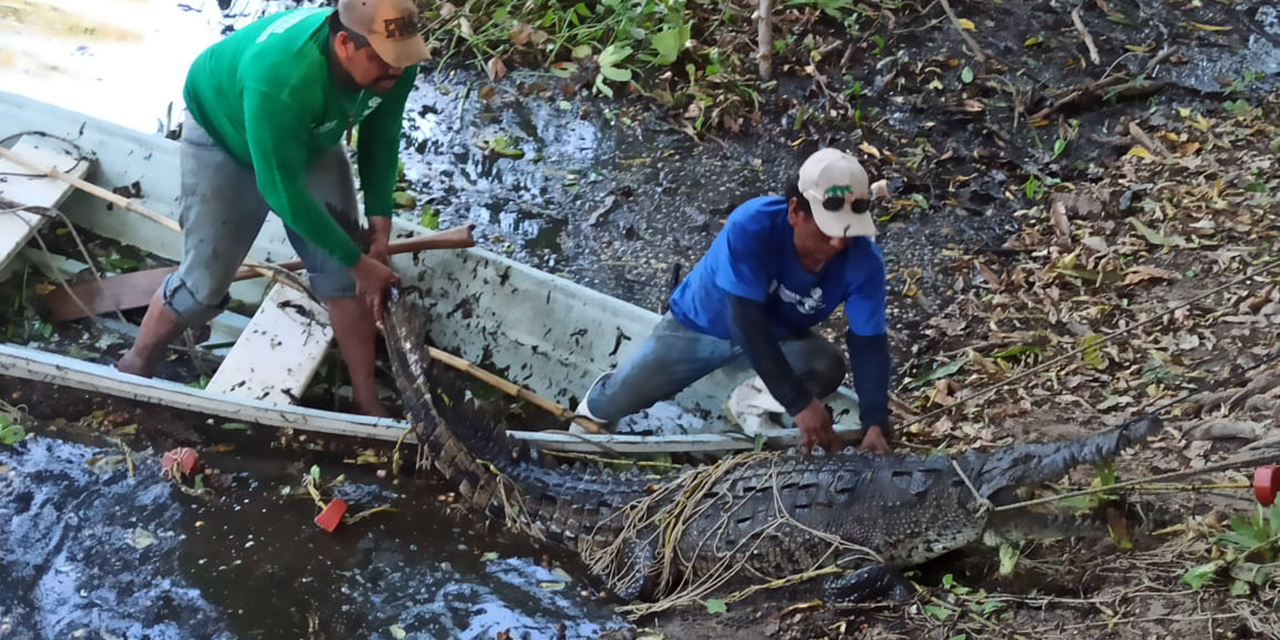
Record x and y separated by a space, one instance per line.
780 266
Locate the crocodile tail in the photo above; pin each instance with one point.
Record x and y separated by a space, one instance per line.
473 460
1033 464
467 444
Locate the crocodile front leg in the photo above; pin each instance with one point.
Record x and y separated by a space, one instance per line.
874 583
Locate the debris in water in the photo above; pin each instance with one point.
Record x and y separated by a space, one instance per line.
178 463
140 538
332 514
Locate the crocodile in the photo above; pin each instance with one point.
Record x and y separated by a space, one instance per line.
855 518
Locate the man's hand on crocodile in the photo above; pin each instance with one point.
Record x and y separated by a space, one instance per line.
873 441
814 422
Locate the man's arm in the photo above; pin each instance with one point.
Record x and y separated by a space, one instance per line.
871 365
378 149
868 342
275 134
748 327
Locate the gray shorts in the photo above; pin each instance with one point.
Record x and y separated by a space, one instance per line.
222 213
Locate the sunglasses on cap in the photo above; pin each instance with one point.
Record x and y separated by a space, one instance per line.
856 205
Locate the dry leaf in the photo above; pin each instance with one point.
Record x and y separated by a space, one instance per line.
1058 213
1143 272
1206 27
988 275
1139 151
869 149
521 35
967 24
496 69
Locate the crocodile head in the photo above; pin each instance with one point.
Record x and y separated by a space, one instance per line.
1000 476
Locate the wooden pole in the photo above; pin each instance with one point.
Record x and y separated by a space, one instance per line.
89 187
512 389
764 26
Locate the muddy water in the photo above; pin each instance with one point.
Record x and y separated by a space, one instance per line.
89 552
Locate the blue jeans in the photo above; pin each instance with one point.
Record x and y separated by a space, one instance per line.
674 356
222 213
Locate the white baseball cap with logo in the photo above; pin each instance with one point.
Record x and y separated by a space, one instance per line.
839 196
391 26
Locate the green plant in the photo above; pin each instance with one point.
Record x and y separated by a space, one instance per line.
1249 545
11 432
1244 83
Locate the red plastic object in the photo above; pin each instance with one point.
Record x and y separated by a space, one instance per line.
332 514
184 458
1266 483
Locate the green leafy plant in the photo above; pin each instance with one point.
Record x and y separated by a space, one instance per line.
11 432
610 61
1249 546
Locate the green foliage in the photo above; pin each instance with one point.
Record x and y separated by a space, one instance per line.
715 605
1249 547
943 371
11 432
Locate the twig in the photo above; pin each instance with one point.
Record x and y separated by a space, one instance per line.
600 459
978 53
1084 33
1106 82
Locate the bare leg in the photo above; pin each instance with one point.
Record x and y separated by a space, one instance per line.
357 336
159 327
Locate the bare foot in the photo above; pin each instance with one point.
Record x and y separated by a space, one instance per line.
133 364
372 407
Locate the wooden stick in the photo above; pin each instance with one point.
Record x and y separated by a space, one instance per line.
978 53
512 389
1084 33
764 31
89 187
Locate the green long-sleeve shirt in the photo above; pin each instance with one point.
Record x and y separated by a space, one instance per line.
266 95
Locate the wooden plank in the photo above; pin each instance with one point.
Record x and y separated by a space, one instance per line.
225 327
32 364
18 186
279 352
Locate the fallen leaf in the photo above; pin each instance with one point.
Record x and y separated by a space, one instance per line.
1058 213
1152 236
397 632
601 210
715 605
869 149
1205 27
140 538
1139 151
496 69
1142 273
967 24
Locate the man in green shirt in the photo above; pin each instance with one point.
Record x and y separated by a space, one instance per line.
267 108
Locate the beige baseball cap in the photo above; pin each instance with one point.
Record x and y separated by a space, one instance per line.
835 185
391 26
